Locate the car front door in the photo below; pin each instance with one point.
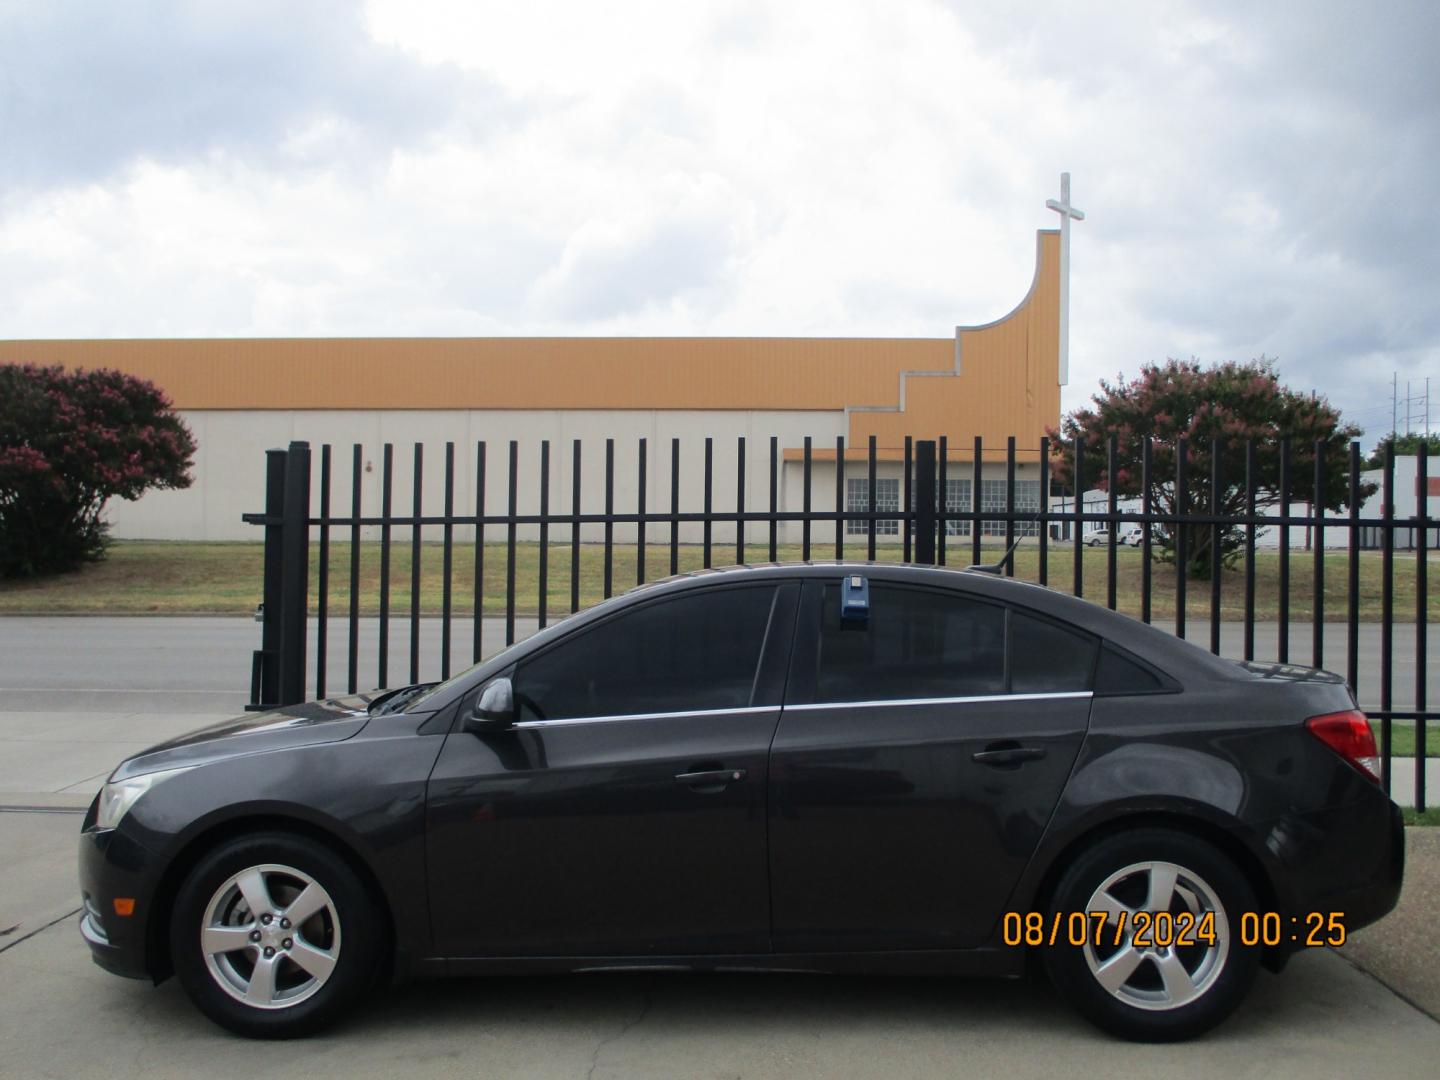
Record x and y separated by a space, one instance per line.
918 759
624 814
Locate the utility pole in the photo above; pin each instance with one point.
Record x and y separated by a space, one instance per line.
1394 385
1427 408
1407 406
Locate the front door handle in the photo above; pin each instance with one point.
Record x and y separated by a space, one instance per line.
1005 754
710 778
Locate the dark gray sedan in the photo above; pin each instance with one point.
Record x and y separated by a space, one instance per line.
843 767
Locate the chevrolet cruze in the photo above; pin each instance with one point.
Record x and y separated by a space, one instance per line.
843 767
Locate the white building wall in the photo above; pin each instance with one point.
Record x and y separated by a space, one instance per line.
1406 498
230 469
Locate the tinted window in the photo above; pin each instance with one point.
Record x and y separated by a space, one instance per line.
1046 658
1118 674
917 644
698 651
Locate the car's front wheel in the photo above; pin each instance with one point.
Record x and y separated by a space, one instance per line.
273 935
1165 962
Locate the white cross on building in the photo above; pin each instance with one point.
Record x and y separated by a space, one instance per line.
1066 212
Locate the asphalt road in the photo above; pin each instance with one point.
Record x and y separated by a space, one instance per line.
60 1016
201 664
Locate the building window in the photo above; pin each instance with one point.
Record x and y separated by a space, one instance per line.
1027 501
957 501
857 499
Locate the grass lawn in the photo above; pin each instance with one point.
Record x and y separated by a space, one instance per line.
1402 738
159 577
1413 817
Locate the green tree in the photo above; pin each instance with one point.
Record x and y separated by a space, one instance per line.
1231 402
69 442
1405 446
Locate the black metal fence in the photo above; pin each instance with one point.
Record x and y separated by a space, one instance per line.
925 517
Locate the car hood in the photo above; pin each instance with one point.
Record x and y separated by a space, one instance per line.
308 724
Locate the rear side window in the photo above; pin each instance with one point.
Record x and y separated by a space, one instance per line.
1047 658
917 644
697 651
1118 674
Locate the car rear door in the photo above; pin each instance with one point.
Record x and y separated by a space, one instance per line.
624 814
916 764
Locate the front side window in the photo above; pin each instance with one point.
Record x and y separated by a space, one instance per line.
693 652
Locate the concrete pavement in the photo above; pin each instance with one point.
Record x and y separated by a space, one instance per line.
1402 949
60 1016
68 755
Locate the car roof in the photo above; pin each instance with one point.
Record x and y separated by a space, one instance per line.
1170 653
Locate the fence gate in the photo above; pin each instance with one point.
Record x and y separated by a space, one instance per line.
944 496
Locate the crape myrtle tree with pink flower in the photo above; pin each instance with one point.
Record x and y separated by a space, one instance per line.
71 440
1233 402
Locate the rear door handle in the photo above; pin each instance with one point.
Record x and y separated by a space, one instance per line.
1003 754
716 778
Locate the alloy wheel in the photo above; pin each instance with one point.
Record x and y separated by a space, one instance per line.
270 936
1154 976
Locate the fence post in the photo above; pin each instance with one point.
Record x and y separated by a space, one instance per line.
294 574
925 502
265 666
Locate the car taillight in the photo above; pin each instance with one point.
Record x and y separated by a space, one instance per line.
1349 735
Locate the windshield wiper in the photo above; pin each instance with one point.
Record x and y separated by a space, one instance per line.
395 700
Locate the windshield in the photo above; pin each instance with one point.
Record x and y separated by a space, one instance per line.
423 693
429 691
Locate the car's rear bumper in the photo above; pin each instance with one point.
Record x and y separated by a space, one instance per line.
1348 862
1373 899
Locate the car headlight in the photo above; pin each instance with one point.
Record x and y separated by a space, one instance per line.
118 796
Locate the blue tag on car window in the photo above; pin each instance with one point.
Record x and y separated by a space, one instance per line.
854 599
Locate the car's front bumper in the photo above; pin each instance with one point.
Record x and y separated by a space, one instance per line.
114 867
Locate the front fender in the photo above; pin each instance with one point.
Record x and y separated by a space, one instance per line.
366 795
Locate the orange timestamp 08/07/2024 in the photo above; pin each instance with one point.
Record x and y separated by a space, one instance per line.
1164 929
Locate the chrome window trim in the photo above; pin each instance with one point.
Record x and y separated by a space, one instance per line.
973 699
753 709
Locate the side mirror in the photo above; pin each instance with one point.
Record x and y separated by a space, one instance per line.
495 710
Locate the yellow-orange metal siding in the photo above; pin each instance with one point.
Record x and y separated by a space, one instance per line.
1006 384
506 373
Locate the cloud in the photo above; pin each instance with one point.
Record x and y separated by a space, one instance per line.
1254 175
90 88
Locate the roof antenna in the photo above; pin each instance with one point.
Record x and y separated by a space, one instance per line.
998 568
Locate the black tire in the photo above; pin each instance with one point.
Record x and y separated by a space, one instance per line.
339 943
1150 1004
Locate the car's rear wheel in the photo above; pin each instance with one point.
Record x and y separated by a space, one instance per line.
273 935
1149 979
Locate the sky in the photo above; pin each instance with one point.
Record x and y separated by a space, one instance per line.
1254 176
